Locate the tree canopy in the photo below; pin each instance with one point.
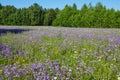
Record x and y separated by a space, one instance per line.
97 16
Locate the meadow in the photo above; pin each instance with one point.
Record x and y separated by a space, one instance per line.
59 53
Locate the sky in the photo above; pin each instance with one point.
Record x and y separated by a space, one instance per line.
60 3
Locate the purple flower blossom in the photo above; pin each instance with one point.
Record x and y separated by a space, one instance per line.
38 79
0 78
58 74
89 70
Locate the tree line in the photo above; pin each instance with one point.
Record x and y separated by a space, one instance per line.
97 16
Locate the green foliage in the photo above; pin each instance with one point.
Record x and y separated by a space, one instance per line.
49 17
5 12
88 16
97 16
35 13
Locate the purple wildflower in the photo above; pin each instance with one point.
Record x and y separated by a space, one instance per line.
0 78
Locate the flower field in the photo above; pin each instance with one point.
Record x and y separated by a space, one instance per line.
59 53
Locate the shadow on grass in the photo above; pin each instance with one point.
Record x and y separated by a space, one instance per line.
15 31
